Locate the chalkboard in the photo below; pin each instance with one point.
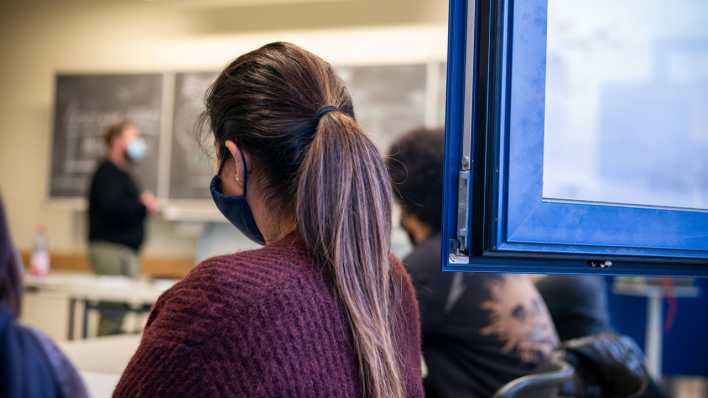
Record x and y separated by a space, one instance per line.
191 168
389 100
85 105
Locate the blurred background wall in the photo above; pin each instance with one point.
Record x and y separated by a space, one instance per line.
40 38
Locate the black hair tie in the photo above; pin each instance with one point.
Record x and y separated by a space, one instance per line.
323 111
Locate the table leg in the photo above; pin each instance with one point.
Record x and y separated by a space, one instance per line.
84 320
72 318
654 335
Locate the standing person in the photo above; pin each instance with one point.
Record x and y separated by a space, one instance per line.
31 365
117 213
324 309
481 330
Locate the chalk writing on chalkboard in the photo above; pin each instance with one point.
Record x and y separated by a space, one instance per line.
388 100
85 105
191 167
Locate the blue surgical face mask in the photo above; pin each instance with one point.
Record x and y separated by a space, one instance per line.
235 207
136 149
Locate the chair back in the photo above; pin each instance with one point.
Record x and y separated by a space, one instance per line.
546 383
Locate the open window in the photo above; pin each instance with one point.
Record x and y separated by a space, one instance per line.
577 137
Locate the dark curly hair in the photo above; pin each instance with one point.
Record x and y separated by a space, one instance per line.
415 163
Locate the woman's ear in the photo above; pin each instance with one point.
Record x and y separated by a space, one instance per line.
233 177
233 149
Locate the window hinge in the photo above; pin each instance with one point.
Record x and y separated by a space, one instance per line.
459 248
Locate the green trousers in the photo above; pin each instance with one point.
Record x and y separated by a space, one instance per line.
112 259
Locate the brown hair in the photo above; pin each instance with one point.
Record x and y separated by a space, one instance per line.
330 177
115 130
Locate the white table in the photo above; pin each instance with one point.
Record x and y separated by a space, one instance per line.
100 385
89 289
101 361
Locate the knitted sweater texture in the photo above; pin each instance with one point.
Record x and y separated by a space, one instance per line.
261 323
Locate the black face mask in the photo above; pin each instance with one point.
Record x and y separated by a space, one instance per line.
235 207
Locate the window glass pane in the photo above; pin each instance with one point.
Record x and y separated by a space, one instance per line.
626 117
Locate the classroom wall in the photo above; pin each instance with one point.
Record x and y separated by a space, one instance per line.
39 38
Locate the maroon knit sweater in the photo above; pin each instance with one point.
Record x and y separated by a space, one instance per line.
261 323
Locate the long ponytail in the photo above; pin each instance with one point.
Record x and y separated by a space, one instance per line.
327 175
343 212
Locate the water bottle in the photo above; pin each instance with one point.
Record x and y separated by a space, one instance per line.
39 259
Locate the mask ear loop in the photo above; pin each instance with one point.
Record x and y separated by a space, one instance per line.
222 163
245 171
245 168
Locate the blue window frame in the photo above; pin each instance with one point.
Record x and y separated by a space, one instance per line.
506 197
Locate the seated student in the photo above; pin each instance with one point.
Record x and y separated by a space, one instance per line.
30 364
479 331
324 309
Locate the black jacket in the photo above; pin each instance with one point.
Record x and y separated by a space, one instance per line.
116 214
480 330
578 304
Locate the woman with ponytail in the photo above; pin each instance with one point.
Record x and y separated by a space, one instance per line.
323 309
